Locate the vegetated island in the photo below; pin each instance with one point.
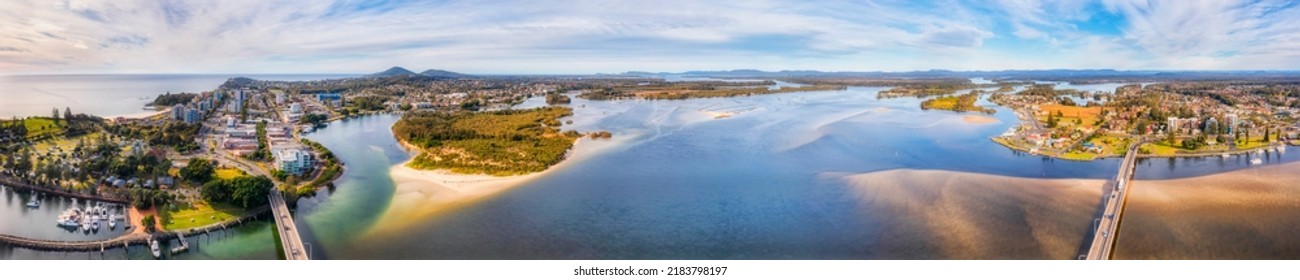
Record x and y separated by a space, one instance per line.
497 143
959 103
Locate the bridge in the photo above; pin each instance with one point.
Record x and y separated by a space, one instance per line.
1107 226
289 238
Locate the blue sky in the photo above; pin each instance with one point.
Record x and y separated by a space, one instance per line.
512 37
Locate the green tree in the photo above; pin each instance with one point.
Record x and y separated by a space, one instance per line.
198 170
149 223
243 191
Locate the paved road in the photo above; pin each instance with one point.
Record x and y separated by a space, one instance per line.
1103 239
293 246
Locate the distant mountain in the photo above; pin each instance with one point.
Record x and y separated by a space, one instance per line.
393 72
1046 74
436 73
237 82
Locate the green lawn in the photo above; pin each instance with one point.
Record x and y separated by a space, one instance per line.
67 144
1160 149
1112 145
1084 156
37 126
228 173
200 214
1254 142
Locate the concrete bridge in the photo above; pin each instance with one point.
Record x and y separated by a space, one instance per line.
289 238
1116 196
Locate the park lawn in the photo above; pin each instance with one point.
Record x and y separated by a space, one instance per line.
1160 149
228 173
37 126
1254 142
1082 156
65 144
1113 145
200 214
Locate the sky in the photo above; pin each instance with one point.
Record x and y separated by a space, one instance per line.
605 36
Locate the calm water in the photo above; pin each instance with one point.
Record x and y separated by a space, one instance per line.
107 95
19 220
681 185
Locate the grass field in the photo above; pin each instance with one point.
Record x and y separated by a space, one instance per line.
38 126
1084 156
1086 115
1254 142
1111 145
201 214
66 144
1160 149
228 173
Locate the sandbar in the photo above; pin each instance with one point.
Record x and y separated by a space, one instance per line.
935 214
1251 213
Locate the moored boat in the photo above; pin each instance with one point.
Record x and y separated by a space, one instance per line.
153 246
34 202
70 218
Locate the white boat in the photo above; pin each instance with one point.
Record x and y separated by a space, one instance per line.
68 222
112 223
1256 161
153 246
1225 155
34 202
85 227
94 225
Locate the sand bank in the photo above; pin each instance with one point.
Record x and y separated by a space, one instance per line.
929 214
420 194
140 115
1245 214
978 119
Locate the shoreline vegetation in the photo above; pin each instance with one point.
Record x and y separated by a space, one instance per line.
499 143
444 174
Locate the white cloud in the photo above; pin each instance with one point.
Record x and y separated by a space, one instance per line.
585 36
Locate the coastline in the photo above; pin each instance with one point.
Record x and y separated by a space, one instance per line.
140 115
419 194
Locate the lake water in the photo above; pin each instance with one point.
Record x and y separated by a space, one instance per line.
762 184
107 95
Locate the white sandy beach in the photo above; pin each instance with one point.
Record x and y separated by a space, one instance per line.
140 115
422 193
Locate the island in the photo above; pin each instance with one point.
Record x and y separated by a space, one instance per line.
499 143
958 103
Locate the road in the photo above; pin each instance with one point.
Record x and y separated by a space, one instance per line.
1103 238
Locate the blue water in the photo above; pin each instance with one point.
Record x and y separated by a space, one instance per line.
759 185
